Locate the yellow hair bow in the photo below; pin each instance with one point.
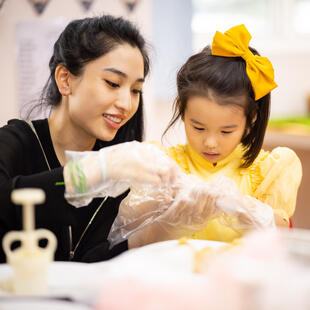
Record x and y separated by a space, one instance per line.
235 43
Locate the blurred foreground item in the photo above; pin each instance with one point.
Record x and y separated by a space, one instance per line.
301 145
30 261
266 270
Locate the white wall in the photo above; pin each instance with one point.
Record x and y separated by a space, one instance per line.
290 57
157 20
292 69
291 62
16 11
172 41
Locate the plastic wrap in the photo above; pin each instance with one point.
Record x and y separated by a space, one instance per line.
112 170
155 214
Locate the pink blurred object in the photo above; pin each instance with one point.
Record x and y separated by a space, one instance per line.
136 294
267 270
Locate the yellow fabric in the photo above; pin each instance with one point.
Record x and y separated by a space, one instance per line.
273 178
235 43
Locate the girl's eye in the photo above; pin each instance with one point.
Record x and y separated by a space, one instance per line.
226 132
198 128
114 85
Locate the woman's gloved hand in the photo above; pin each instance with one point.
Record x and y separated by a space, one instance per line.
112 170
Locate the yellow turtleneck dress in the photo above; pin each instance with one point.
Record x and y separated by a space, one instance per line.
273 178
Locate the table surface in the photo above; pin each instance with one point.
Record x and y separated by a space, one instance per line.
159 262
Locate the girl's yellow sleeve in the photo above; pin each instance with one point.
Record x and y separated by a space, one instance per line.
281 174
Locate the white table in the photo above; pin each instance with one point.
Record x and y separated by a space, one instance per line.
160 263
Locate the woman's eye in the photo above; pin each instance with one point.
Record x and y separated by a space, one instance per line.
114 85
198 128
226 132
137 91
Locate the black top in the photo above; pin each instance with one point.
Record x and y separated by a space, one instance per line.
22 164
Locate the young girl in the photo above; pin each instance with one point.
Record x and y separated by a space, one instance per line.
224 101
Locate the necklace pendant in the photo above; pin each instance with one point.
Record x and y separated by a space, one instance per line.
71 255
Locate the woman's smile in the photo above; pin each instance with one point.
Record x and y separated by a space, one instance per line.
113 121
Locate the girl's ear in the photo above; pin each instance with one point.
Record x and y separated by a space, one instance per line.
62 78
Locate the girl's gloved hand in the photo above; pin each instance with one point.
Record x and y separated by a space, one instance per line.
194 203
242 212
158 214
112 170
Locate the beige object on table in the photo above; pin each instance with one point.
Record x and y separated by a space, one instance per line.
29 262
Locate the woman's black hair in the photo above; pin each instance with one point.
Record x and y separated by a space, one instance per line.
226 80
85 40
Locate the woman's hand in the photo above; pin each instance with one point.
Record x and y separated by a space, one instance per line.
112 170
139 163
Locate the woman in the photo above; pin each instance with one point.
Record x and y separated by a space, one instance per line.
97 72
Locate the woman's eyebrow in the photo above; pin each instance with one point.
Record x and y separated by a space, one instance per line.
122 74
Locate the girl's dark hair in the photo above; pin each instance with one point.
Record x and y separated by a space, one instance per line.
85 40
226 80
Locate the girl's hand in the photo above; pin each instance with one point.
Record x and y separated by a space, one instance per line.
193 205
250 213
147 216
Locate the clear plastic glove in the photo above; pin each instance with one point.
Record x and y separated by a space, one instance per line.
151 215
163 213
112 170
245 211
193 204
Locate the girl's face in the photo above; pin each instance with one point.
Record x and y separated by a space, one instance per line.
213 130
107 94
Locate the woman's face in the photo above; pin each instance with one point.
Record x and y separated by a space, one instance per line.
213 130
107 94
